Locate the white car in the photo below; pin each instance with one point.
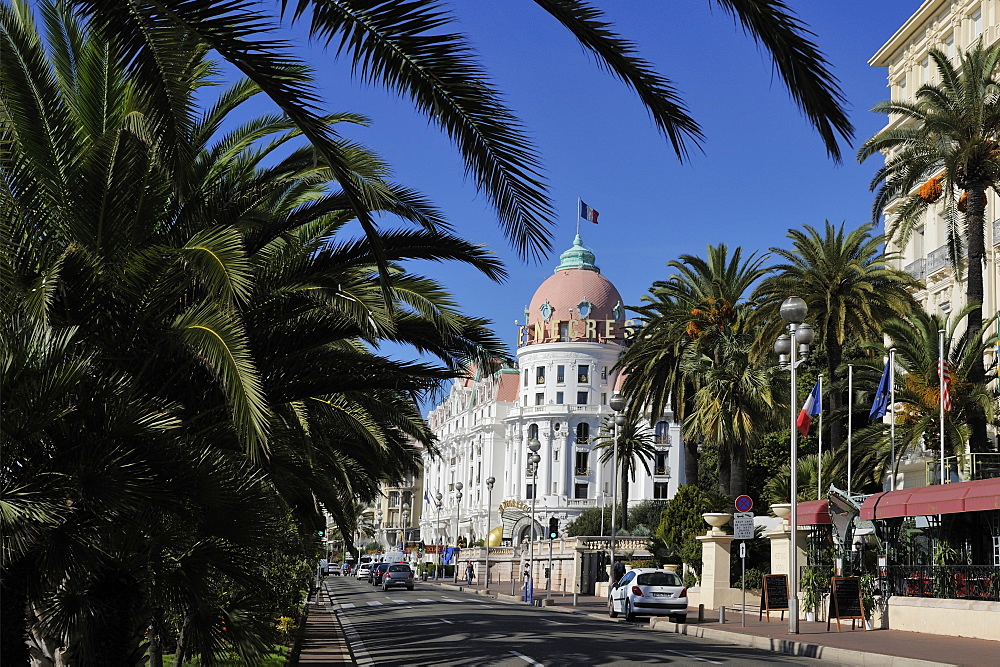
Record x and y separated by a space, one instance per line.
649 592
363 571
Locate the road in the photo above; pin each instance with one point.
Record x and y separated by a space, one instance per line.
431 626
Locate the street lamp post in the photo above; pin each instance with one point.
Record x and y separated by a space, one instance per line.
438 497
378 527
406 523
533 459
490 481
790 347
617 404
458 519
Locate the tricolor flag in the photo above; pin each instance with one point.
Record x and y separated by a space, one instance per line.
427 498
881 403
587 213
812 406
945 374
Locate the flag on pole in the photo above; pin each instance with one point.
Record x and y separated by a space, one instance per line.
587 213
812 406
881 404
945 374
427 498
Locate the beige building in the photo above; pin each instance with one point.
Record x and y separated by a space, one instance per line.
949 26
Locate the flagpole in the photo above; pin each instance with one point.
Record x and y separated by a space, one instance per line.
892 420
850 411
578 208
819 460
941 395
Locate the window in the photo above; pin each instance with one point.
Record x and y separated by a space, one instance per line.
529 491
583 374
533 432
949 47
925 71
604 372
582 463
660 490
394 499
604 398
977 24
583 433
540 398
660 466
540 375
559 398
581 397
580 490
525 377
526 400
555 455
661 434
560 374
555 488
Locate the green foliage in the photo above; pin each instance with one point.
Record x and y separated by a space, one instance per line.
588 522
815 582
680 523
646 514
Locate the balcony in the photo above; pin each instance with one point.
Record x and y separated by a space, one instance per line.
964 468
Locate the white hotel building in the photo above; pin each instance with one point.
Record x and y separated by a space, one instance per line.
574 332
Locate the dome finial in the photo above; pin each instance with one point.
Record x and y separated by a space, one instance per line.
577 257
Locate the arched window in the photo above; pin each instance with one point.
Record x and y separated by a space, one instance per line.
583 433
662 433
533 432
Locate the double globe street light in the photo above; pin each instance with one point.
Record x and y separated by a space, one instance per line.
533 460
458 514
617 404
490 481
792 349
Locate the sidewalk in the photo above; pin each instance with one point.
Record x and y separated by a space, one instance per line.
323 641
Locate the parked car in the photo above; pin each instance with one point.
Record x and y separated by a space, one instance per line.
649 592
378 569
398 574
363 571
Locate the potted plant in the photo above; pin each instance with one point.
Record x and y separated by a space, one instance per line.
869 589
813 586
719 511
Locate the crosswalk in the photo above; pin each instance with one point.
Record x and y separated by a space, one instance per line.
380 603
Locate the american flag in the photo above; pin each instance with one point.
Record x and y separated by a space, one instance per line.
945 374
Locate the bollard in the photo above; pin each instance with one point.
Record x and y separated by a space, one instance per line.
722 615
574 599
701 613
564 587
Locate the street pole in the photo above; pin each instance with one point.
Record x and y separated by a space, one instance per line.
439 497
798 338
617 404
458 518
548 580
533 460
490 481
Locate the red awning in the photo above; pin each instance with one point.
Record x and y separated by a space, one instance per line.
814 513
975 496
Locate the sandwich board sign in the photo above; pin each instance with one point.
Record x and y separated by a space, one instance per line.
774 597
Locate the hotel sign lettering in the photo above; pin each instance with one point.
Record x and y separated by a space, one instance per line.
587 330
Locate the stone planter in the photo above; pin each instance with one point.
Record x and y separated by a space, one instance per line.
782 511
716 520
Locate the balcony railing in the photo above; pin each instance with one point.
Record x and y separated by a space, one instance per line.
582 472
964 468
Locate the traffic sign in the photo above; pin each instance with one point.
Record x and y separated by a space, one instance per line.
743 549
744 504
743 525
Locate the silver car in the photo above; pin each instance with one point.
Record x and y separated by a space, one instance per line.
398 574
649 592
363 571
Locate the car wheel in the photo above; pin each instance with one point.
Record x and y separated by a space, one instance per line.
629 616
385 587
681 618
410 587
611 609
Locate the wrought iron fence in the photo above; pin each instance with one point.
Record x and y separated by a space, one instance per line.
964 468
967 582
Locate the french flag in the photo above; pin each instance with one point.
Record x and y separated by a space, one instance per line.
587 213
811 407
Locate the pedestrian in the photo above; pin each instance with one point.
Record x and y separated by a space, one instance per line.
618 571
527 572
470 573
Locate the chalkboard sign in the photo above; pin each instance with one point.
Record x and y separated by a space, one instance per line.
775 596
845 601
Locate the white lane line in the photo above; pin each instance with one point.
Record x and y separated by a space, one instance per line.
357 646
445 620
449 599
688 655
347 605
374 603
554 622
399 601
424 600
526 659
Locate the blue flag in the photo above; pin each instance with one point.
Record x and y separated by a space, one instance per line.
881 403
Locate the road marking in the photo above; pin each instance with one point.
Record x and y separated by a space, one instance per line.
374 603
449 600
357 646
347 605
554 622
688 655
445 620
424 600
526 659
400 601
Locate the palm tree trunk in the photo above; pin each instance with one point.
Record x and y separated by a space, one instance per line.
738 472
725 471
975 234
834 397
624 504
691 461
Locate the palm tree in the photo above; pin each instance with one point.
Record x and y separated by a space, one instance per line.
734 405
951 131
850 286
686 315
635 446
415 50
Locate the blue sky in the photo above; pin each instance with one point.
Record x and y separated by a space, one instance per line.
763 171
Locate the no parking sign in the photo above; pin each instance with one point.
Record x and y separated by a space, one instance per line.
744 504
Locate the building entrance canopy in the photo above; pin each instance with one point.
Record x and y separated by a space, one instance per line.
975 496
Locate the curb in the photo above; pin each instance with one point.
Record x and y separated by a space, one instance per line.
790 647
